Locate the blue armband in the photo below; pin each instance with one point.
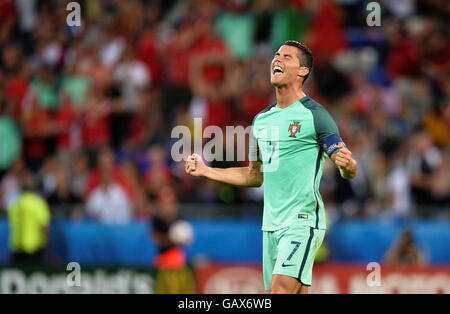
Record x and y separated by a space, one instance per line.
330 144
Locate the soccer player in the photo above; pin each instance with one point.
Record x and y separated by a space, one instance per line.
289 144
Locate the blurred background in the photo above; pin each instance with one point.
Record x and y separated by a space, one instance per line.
86 114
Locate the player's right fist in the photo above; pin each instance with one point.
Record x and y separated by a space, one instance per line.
195 166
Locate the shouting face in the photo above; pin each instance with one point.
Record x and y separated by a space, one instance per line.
286 67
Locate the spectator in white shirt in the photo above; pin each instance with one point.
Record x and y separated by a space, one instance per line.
108 203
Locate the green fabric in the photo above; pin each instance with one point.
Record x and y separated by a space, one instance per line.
77 87
238 32
288 142
288 24
291 252
323 121
28 216
47 95
10 143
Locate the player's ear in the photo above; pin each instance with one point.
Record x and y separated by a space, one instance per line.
303 71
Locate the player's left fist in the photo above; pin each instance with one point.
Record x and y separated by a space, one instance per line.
343 158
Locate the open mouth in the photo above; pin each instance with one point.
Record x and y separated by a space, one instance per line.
277 70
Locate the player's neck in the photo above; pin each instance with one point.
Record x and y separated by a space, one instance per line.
287 95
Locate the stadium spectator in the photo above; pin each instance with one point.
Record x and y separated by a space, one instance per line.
158 173
291 19
68 125
400 198
425 162
254 88
96 131
236 25
404 54
106 165
62 201
211 84
79 174
132 76
10 187
11 142
327 22
405 252
108 203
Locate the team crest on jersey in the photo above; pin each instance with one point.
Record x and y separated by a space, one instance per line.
294 128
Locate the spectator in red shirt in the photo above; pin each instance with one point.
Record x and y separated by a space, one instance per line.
210 78
68 125
106 164
326 36
148 53
257 93
39 130
16 81
95 127
404 54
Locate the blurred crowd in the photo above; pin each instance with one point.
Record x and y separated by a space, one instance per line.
86 112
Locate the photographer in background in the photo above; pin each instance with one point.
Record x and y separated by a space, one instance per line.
405 252
169 231
171 234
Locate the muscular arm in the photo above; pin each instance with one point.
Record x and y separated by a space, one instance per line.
328 137
250 176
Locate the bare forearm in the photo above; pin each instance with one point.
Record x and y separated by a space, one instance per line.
240 176
250 176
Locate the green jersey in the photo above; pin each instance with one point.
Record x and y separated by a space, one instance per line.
292 144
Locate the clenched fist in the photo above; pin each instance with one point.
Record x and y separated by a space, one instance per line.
195 166
344 160
343 157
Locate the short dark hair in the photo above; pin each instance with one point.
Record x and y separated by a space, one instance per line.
306 58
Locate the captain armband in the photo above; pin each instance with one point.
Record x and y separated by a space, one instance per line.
330 144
